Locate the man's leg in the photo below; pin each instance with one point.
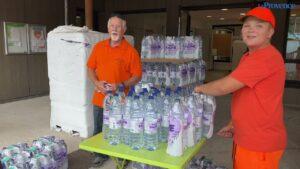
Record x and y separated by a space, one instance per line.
98 121
246 159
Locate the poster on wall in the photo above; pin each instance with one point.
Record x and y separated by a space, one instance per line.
37 39
15 38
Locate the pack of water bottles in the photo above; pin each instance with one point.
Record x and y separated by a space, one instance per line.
170 75
170 47
148 116
45 153
201 162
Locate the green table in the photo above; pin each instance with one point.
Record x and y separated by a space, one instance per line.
156 158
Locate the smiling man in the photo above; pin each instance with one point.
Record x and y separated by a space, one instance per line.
112 63
257 85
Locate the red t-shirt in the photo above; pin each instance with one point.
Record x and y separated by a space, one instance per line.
257 109
113 64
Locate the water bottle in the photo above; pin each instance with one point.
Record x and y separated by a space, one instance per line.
136 125
209 107
21 161
198 116
115 121
151 126
145 51
35 163
126 119
173 74
165 117
191 106
45 161
149 70
6 162
107 108
202 69
167 75
158 104
175 138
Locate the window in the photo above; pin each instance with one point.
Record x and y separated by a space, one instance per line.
293 46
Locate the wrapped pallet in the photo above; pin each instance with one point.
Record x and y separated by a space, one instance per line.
70 89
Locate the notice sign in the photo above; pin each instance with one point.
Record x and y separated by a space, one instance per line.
15 37
37 36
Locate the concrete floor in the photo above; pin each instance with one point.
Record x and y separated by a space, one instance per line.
26 120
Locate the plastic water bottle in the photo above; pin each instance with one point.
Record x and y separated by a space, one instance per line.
7 162
202 70
45 161
191 107
175 138
136 124
126 119
115 121
151 126
165 117
198 116
107 108
21 161
209 107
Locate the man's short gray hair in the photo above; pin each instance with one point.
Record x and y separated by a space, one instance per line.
123 21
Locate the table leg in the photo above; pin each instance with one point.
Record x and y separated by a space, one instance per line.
120 163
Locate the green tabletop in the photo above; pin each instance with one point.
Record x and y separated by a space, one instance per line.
156 158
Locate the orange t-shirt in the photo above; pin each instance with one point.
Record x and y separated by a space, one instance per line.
113 64
257 108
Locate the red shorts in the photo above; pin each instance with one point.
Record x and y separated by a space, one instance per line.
246 159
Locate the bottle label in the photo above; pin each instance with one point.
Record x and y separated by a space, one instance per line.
105 117
136 125
175 127
165 121
151 126
126 123
115 122
206 119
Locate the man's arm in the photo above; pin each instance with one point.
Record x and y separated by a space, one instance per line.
220 87
99 85
132 81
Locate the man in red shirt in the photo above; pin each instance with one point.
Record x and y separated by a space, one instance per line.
257 85
115 62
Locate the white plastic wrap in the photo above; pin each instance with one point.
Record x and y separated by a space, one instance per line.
71 91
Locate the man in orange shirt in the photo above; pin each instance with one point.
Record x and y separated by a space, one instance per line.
113 62
257 85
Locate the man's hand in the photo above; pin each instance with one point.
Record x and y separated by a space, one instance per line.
100 86
197 89
226 131
113 87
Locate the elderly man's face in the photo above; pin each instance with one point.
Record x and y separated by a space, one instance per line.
115 29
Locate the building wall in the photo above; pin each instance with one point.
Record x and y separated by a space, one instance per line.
25 75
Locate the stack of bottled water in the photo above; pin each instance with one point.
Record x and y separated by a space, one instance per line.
153 47
182 47
45 153
190 119
174 75
144 119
